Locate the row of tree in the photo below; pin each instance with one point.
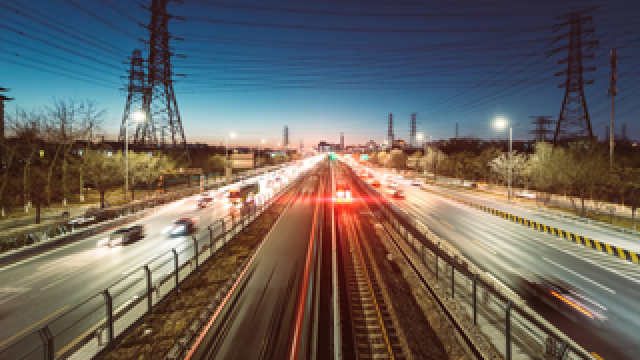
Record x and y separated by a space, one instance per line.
48 156
580 169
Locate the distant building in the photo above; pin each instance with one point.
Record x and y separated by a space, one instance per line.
399 144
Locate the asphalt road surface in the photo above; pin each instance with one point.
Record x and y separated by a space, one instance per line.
505 250
257 323
37 290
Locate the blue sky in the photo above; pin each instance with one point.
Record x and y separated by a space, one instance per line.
324 67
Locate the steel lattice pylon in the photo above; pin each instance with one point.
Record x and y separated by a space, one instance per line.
159 101
136 91
573 121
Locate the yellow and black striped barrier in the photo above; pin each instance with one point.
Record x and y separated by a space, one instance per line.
584 241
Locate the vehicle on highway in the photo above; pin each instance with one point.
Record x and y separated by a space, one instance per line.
183 226
564 297
393 184
123 236
376 183
238 197
399 194
416 183
205 202
343 193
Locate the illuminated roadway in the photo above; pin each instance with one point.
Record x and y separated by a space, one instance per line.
257 321
36 290
504 249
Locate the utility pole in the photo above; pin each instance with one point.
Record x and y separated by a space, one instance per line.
612 91
456 131
2 100
541 130
412 130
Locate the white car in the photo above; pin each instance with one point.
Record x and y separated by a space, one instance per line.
416 183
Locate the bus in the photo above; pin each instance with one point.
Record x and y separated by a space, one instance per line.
244 194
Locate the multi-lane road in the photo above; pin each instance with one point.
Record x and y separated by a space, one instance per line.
507 250
37 290
259 321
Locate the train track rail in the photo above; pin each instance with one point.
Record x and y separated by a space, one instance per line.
373 332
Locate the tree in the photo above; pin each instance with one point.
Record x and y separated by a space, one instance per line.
7 160
631 187
398 159
518 166
435 158
482 162
104 170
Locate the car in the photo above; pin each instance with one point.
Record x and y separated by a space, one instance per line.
183 226
393 184
376 183
416 183
123 236
564 297
399 194
205 202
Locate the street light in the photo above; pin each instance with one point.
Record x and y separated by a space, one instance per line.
138 116
501 123
226 148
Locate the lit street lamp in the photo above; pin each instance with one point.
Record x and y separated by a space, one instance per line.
138 116
501 123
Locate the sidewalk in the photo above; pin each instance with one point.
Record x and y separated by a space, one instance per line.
592 231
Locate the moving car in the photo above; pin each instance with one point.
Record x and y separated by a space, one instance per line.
205 202
393 184
183 226
564 297
416 183
399 194
343 193
123 236
376 183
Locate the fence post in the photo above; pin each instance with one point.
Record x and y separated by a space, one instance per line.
175 265
47 342
210 241
195 250
508 330
453 271
149 289
109 305
475 297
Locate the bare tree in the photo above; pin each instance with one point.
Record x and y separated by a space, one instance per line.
104 170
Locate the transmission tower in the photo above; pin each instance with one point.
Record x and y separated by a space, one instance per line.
135 93
160 104
541 130
390 133
412 130
573 122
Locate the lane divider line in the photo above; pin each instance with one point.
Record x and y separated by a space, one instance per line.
578 239
578 275
9 340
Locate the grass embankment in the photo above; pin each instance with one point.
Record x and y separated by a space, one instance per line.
153 338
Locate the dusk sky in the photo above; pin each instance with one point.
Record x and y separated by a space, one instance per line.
325 67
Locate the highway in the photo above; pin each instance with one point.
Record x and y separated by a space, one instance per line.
505 250
35 291
258 321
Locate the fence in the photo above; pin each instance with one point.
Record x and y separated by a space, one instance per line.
63 228
478 294
89 326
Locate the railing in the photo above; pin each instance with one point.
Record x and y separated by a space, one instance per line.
477 293
82 331
63 228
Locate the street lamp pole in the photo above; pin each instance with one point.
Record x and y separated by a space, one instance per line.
510 160
126 161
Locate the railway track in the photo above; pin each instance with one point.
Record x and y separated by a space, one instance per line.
372 331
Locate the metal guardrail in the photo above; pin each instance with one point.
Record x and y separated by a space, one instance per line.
63 228
465 282
82 331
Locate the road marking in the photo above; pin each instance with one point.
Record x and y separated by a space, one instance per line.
590 261
485 246
449 225
578 275
64 277
31 327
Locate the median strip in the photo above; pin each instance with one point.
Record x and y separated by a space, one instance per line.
578 239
